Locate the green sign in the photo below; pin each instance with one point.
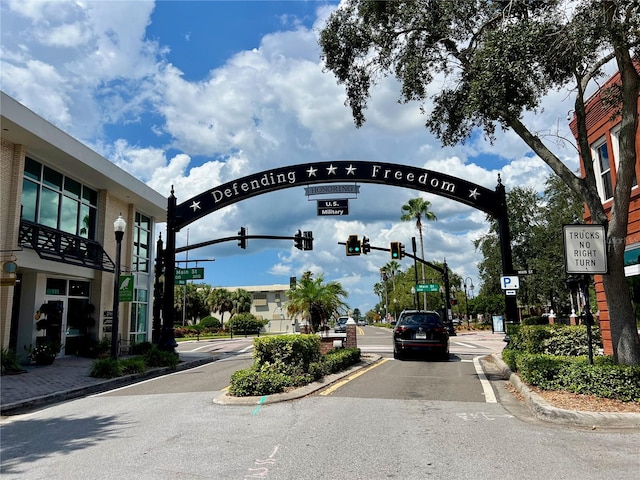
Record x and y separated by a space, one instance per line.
427 287
126 288
189 274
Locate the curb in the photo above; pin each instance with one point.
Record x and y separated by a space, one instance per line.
25 406
365 361
544 411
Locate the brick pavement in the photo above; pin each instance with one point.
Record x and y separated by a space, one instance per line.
68 377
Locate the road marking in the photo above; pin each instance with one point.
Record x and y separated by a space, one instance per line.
466 344
353 376
262 400
489 396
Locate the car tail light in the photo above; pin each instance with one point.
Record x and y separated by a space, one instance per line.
400 330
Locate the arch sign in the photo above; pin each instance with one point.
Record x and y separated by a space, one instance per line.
390 174
492 202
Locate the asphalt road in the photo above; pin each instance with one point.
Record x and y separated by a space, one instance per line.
394 420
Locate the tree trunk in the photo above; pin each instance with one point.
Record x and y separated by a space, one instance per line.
624 332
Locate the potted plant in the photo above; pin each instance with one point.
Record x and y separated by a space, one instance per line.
43 354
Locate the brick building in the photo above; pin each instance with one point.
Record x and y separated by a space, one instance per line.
603 137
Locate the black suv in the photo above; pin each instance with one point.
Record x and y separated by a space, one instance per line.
420 331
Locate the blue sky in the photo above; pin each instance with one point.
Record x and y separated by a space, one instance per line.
195 94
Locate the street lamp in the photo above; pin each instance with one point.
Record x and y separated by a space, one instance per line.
118 228
466 297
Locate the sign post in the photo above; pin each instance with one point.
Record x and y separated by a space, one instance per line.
585 249
585 252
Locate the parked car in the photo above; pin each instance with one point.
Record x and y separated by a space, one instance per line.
420 331
341 325
362 323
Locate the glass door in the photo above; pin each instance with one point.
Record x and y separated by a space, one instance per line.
52 322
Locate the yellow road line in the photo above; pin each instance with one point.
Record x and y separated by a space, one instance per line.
353 376
360 331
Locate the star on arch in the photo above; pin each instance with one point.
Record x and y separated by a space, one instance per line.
195 205
311 172
331 170
351 170
474 193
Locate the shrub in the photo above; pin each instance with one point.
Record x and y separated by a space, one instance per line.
141 348
210 322
160 358
10 362
509 357
245 323
256 381
337 360
571 341
286 361
133 365
538 320
106 368
294 353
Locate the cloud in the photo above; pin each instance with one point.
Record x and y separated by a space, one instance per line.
92 69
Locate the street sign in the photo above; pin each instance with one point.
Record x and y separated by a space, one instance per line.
333 207
189 274
585 248
529 271
126 288
427 287
510 283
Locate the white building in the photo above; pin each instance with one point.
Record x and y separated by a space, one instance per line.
269 302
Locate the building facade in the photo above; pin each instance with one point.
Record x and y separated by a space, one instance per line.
603 128
59 200
269 302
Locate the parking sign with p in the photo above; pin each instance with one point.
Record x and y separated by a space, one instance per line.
510 282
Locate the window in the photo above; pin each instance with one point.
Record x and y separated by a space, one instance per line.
259 299
139 316
603 170
615 145
141 237
54 200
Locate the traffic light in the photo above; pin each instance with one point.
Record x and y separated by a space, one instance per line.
298 240
366 247
354 247
396 250
242 241
307 241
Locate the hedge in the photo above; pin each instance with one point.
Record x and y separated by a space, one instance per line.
554 357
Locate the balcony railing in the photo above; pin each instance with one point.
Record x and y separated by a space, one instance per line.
58 246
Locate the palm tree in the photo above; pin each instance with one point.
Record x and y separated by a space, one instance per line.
315 299
242 301
391 269
220 300
417 208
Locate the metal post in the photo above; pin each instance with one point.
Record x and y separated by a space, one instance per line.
415 269
447 290
588 315
118 226
158 293
511 303
167 340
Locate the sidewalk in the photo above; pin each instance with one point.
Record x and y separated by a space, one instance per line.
69 378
